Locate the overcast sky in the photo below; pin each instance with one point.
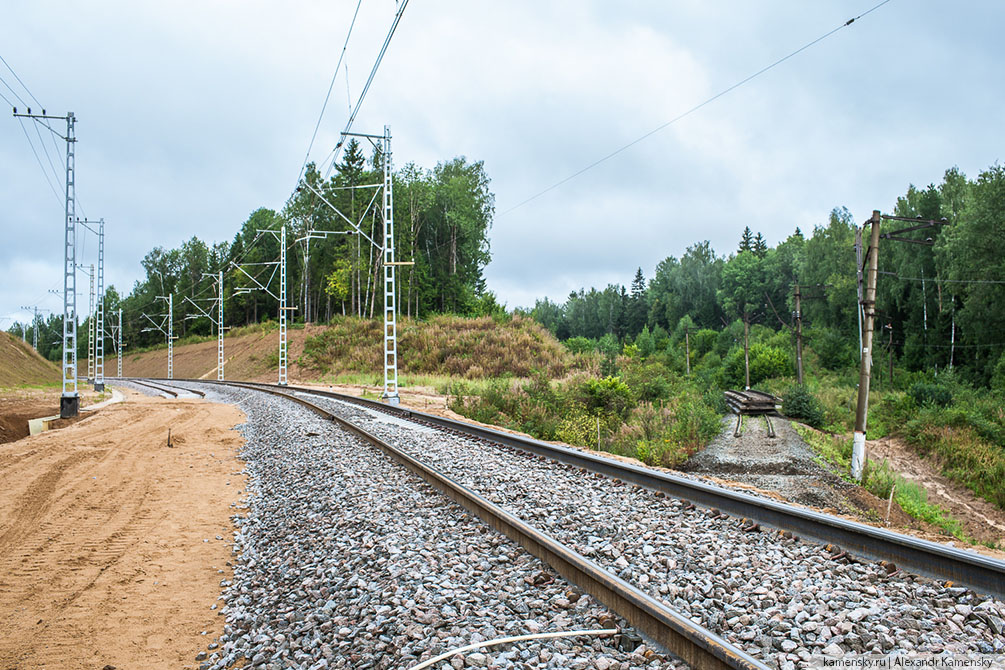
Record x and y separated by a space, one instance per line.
193 114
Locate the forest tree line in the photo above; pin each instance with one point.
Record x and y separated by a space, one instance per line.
442 219
940 303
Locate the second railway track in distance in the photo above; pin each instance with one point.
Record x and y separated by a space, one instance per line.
773 596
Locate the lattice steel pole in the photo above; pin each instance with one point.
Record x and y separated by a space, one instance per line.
390 301
219 348
99 323
171 336
119 348
90 328
69 401
282 306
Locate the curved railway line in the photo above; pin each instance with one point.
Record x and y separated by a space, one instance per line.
697 644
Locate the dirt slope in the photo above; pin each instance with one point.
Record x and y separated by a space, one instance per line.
20 364
248 356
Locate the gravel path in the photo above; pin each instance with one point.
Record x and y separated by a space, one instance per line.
779 599
344 559
783 463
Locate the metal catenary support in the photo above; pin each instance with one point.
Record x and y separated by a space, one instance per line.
118 350
280 266
99 322
218 322
69 402
390 293
390 336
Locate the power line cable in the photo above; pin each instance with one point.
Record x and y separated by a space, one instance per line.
19 98
369 80
941 281
39 160
45 150
30 94
328 94
9 103
693 109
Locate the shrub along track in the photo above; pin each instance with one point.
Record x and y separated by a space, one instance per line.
767 592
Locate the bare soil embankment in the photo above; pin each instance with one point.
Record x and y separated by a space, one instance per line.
111 542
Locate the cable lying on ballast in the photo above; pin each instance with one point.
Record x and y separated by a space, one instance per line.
518 638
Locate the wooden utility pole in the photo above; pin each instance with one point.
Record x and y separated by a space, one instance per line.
868 307
746 350
799 337
889 348
858 282
687 349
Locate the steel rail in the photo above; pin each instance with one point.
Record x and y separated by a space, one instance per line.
161 386
151 386
896 550
695 644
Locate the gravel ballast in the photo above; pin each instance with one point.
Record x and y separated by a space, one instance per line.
344 559
778 598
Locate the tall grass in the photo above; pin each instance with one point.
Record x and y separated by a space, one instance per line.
834 453
445 345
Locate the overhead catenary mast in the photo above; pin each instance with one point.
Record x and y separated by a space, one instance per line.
95 330
218 322
169 333
69 401
386 250
280 266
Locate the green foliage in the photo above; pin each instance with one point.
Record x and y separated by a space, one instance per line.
645 343
580 345
799 403
578 428
834 350
765 362
649 381
998 377
930 394
609 395
667 434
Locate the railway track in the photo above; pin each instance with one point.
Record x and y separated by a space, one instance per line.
895 550
693 643
696 644
164 387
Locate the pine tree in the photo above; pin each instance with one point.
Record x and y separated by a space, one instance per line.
747 241
760 246
638 308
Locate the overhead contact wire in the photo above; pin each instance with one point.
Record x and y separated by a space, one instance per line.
694 109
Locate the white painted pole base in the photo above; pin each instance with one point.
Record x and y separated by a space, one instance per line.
858 455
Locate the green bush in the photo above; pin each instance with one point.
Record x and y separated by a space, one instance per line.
765 362
578 428
609 395
835 350
930 394
998 376
580 345
799 403
649 381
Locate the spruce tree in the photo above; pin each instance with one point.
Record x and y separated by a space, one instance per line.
747 240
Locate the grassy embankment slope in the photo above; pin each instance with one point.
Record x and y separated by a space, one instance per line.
21 365
349 351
